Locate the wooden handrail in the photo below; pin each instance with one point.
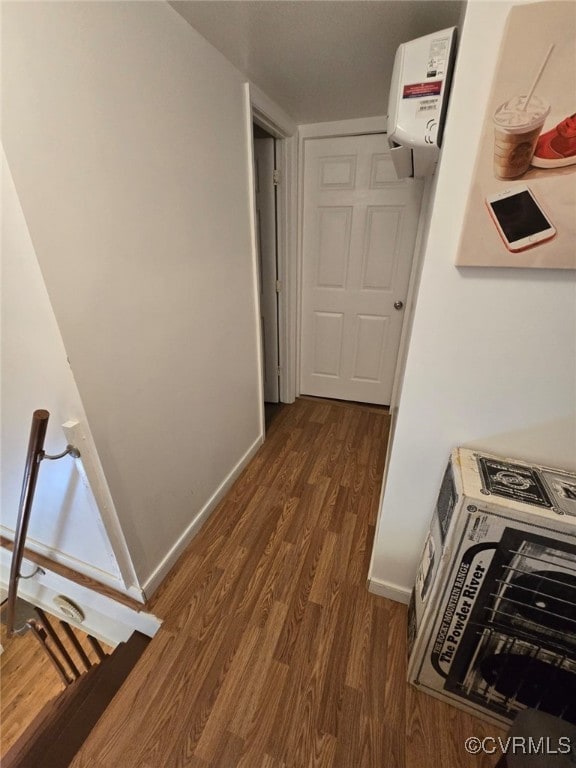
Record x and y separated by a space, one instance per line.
47 564
33 458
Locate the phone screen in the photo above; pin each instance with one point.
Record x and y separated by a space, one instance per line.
519 216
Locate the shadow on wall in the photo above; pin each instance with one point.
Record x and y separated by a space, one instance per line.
551 443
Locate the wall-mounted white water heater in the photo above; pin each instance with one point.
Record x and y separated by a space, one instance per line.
418 102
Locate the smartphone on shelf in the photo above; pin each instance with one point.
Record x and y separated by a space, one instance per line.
519 218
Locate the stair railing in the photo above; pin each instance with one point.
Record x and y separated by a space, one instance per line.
34 456
54 647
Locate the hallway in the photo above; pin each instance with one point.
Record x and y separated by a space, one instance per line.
272 653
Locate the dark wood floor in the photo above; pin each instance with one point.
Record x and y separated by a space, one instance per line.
272 653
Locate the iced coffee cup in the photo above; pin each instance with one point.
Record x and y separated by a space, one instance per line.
516 132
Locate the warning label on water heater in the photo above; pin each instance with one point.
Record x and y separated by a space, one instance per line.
422 90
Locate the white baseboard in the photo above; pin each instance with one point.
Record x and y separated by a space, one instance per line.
151 584
391 591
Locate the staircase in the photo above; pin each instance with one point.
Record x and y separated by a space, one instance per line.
57 733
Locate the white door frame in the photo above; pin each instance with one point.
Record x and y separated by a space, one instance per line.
290 158
354 128
264 147
262 111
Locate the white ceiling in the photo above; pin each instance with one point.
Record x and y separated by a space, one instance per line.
318 59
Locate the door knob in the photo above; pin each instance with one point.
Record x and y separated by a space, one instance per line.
398 305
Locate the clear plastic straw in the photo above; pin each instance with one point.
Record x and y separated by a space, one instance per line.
537 78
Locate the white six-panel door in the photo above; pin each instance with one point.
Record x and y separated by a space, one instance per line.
359 231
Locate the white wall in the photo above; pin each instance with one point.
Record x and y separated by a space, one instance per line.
492 359
64 524
126 133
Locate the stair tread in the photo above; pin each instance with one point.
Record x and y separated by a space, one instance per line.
59 731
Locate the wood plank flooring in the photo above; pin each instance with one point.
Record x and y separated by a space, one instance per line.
272 653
